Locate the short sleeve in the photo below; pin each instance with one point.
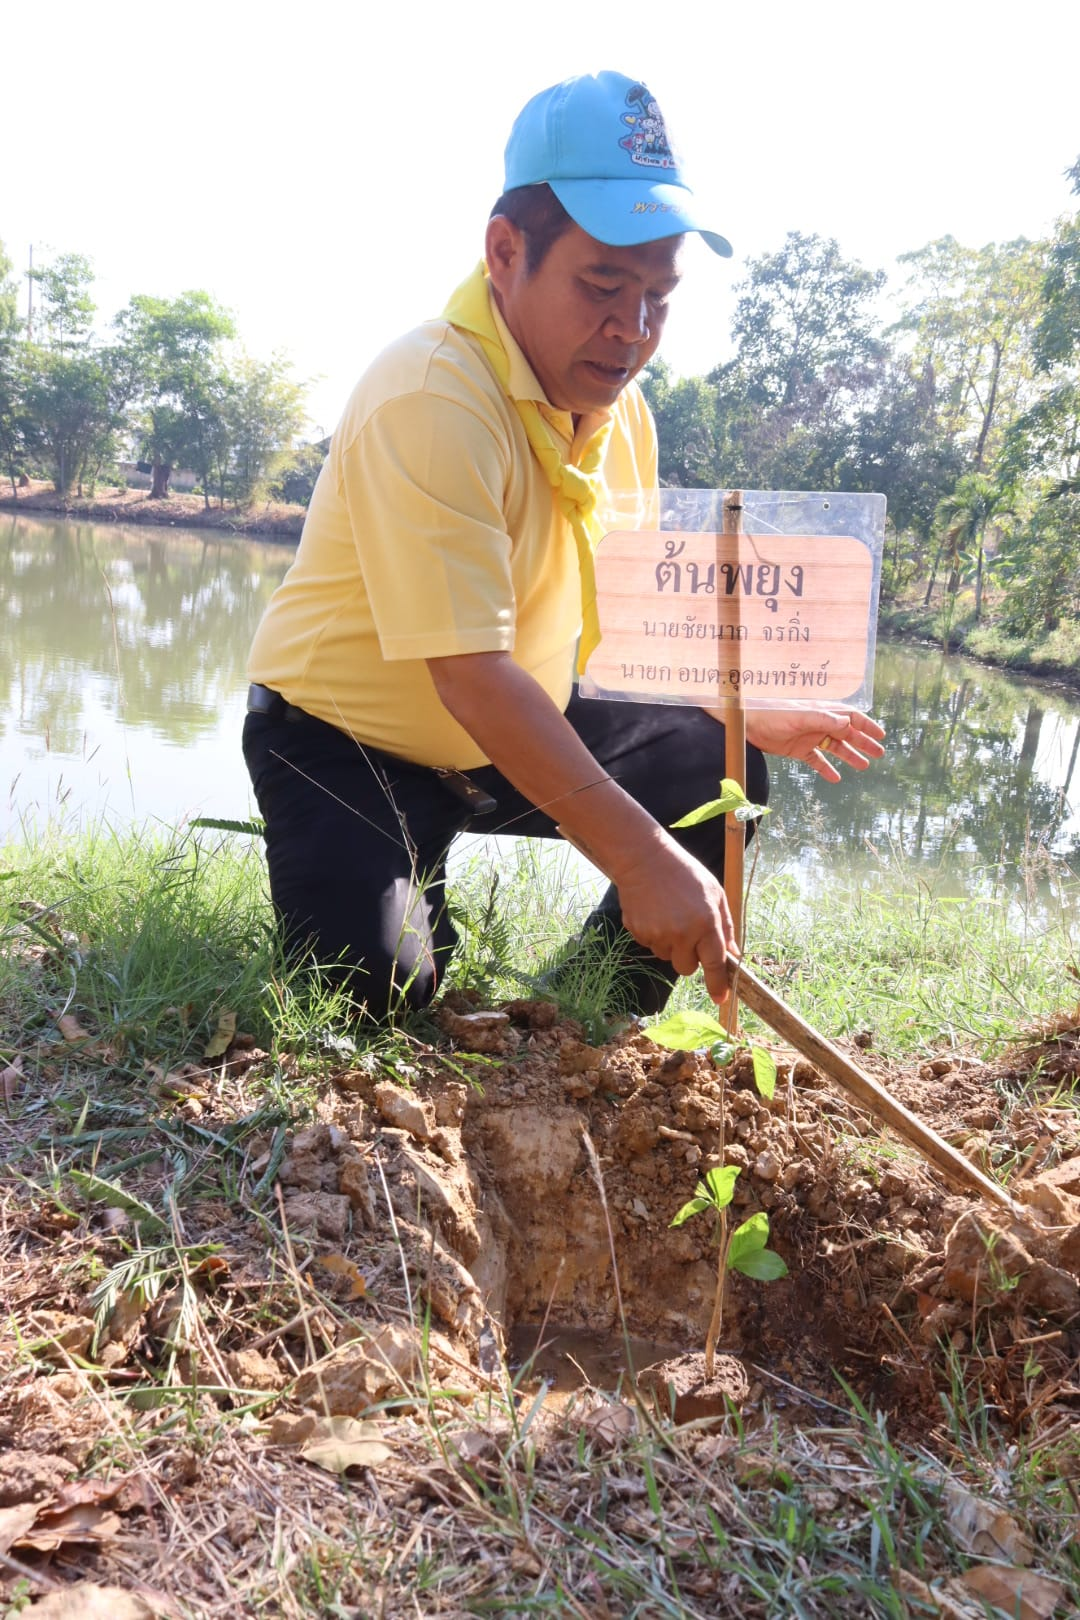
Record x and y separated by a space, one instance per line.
423 483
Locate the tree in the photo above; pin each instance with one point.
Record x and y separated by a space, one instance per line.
72 393
11 424
685 410
975 504
67 309
895 451
807 351
174 352
804 321
296 478
73 408
1043 569
265 412
1057 337
970 318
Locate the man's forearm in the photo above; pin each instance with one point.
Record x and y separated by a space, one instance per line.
525 736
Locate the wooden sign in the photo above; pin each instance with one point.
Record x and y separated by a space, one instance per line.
761 620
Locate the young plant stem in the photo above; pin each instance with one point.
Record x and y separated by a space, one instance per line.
718 1302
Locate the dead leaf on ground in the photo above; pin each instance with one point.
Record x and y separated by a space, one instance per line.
15 1521
1019 1592
222 1038
85 1524
88 1601
11 1078
985 1530
182 1083
340 1443
339 1266
70 1028
936 1599
606 1425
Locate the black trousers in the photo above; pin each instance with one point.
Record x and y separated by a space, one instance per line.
356 839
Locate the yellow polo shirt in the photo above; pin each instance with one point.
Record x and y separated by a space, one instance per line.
432 530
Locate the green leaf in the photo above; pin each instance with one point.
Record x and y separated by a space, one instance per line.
694 1207
722 1052
704 812
748 1238
764 1265
721 1184
751 812
107 1192
731 798
685 1031
764 1072
256 829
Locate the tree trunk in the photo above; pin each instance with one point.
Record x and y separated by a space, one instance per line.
159 488
933 578
988 414
980 549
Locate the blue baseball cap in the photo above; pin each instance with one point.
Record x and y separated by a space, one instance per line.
601 144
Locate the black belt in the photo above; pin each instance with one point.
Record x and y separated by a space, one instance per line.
261 700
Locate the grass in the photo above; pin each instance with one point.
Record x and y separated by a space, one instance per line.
133 1167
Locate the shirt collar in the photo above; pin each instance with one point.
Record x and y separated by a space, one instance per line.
524 384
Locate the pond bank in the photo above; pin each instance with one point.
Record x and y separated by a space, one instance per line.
1053 660
273 519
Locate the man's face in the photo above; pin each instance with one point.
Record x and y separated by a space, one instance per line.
590 317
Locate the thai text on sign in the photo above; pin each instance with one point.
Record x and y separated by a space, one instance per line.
757 619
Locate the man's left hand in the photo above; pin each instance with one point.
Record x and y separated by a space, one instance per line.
811 735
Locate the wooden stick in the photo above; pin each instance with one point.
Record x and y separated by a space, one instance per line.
858 1084
735 768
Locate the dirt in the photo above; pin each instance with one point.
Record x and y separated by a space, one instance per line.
271 519
430 1215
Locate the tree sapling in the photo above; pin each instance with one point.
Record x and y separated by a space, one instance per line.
745 1250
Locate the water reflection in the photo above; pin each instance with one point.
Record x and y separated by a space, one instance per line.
122 681
979 777
122 667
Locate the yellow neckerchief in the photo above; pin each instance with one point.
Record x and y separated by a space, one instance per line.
577 489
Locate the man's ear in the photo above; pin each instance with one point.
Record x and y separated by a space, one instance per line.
504 250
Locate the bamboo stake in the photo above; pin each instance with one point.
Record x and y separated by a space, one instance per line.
735 768
858 1084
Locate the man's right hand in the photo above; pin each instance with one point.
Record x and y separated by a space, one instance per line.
674 906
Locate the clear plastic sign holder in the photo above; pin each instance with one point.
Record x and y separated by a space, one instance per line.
737 599
753 598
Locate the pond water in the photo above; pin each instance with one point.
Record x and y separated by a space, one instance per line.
122 694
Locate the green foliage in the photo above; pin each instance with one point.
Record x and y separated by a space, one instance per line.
714 1192
297 475
747 1250
1057 336
264 413
180 382
691 1030
732 801
764 1072
71 408
686 1031
66 309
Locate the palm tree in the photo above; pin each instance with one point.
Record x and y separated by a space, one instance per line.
977 502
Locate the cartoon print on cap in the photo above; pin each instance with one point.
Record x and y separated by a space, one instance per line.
647 142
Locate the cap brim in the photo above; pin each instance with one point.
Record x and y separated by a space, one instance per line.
624 213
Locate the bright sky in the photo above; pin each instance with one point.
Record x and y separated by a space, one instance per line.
326 170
